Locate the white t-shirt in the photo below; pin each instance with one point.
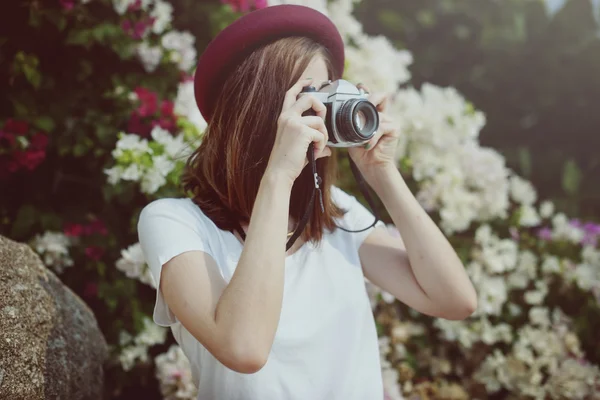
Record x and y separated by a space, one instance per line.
325 347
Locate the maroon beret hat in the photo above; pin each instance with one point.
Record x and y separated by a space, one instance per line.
230 47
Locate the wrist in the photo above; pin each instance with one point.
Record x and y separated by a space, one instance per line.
277 179
380 176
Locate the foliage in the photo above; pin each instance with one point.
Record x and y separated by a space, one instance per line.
530 66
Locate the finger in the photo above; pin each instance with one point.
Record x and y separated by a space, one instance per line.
317 123
379 100
306 103
317 138
363 87
375 139
292 94
325 153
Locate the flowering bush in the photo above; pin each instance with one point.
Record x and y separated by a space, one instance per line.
117 123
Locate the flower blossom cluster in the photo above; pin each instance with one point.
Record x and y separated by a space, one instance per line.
150 113
134 349
151 163
53 248
462 180
133 264
545 360
20 148
174 375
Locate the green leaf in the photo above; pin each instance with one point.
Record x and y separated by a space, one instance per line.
50 222
32 75
79 37
26 218
44 123
571 179
524 161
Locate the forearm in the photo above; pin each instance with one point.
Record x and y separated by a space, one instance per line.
434 262
249 309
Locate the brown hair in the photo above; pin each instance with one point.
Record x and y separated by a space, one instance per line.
223 175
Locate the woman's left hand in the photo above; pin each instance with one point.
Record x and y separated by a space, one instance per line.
380 152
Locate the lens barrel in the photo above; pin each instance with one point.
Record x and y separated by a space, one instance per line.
357 120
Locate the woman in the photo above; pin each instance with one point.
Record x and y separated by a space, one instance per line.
255 321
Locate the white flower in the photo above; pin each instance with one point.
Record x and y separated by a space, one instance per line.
151 334
540 316
133 264
132 173
136 348
153 180
162 14
563 230
174 374
525 272
185 105
377 59
130 355
574 380
550 265
114 174
149 56
528 216
391 385
546 209
536 297
131 142
175 147
522 191
492 295
121 6
181 45
53 248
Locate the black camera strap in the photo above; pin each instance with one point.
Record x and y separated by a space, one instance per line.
316 190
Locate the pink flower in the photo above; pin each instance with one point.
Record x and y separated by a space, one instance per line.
7 139
17 127
73 230
545 233
94 252
137 5
67 4
245 5
166 108
97 226
30 159
148 102
39 141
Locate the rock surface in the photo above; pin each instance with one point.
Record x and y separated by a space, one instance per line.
50 343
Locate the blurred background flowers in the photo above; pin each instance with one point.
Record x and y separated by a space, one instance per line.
497 105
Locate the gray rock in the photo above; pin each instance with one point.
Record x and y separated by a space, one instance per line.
50 343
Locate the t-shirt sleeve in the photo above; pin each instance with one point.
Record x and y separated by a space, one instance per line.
357 216
167 228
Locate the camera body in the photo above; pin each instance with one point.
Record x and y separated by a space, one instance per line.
351 119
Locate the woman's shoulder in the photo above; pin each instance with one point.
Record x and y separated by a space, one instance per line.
179 210
170 206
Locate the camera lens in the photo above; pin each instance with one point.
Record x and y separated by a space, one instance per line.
357 120
360 119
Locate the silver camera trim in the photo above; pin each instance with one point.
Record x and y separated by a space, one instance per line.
336 93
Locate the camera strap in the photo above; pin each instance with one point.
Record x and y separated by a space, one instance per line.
316 190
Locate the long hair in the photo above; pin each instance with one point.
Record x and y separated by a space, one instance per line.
223 175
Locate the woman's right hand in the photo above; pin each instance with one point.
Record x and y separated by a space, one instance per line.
296 132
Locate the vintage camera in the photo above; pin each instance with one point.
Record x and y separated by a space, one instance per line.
352 119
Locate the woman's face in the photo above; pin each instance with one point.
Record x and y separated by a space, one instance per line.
317 70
